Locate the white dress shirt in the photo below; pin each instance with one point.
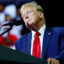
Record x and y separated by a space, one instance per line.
41 31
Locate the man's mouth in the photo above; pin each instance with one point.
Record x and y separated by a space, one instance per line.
30 26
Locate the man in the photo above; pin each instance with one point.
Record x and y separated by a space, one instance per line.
41 42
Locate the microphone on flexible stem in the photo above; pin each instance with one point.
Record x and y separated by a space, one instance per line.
15 22
11 23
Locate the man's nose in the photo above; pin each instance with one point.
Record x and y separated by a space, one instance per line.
26 16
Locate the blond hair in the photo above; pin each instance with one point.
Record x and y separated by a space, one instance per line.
33 4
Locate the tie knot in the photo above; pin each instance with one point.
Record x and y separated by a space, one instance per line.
37 34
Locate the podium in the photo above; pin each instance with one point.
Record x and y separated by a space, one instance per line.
8 55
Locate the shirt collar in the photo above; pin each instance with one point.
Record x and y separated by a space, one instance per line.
42 29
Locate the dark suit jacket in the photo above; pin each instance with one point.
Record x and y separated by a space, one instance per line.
53 44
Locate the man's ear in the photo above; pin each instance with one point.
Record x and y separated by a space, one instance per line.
41 15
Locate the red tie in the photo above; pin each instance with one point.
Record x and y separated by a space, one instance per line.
36 46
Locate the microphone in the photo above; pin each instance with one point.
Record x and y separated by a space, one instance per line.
13 22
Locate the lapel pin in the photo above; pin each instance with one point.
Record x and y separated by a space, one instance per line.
49 33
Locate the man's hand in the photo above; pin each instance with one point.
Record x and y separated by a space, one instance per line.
52 61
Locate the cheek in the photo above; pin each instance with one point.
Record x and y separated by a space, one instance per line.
33 16
36 18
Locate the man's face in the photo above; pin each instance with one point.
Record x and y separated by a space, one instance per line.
30 16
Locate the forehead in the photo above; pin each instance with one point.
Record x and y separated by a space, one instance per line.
27 8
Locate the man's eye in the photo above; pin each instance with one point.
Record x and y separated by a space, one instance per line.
29 11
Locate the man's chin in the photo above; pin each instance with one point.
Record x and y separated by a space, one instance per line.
31 26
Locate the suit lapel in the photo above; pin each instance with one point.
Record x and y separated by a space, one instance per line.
29 43
26 46
46 39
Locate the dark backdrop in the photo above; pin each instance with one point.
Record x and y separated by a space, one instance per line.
53 9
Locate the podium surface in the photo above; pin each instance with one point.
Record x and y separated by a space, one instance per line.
10 55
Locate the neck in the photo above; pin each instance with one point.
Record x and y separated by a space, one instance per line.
38 25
